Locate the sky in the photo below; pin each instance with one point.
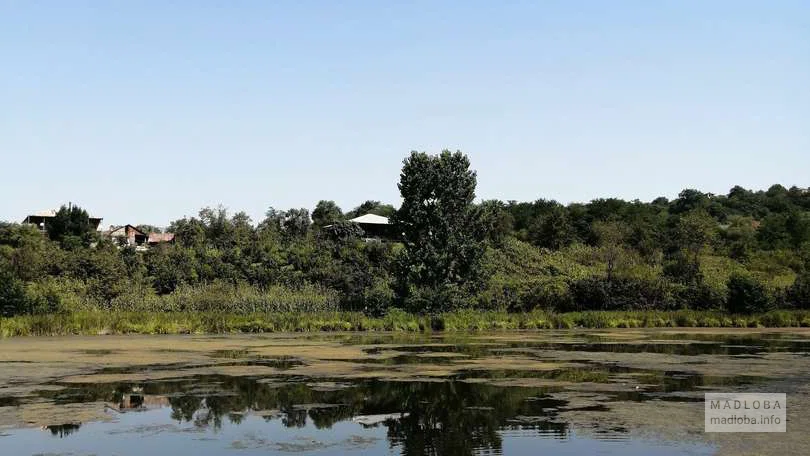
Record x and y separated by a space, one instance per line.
147 111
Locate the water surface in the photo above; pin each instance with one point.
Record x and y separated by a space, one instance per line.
587 392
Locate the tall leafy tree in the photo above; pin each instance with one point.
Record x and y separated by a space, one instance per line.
442 232
326 213
611 237
70 227
553 230
694 231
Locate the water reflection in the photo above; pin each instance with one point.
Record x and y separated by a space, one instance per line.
62 430
470 408
433 417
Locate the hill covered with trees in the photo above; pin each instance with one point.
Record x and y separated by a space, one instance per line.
746 251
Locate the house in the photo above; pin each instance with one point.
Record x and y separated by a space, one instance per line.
132 236
160 238
127 235
375 227
40 218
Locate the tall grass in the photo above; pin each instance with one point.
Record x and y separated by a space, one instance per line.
231 298
105 322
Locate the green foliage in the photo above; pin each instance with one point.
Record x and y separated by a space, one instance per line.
746 251
442 232
325 213
12 294
496 220
798 294
70 227
371 207
620 294
746 295
104 322
343 231
149 228
553 230
378 298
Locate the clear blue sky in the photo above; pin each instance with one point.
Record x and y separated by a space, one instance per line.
143 112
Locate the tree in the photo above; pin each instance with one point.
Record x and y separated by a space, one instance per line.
797 226
149 228
689 200
12 294
553 230
693 232
784 230
371 207
740 236
611 237
442 233
326 213
496 219
799 293
296 222
70 227
188 232
343 231
747 295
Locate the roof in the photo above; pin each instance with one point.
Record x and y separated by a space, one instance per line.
52 213
123 230
160 237
371 219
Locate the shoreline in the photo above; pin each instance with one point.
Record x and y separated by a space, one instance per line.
109 323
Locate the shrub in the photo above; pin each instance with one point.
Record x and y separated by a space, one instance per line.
746 295
597 293
378 298
699 296
432 300
798 295
12 295
550 295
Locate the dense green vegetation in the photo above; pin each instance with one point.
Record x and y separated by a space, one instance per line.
742 253
122 322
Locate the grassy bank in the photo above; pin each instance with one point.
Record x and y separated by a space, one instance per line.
100 322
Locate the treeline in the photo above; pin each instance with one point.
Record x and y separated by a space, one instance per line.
747 251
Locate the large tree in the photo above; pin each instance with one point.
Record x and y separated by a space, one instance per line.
441 229
553 230
70 227
326 213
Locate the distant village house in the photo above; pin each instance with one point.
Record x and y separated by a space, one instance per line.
130 235
375 227
39 219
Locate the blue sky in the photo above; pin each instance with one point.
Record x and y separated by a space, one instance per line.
143 112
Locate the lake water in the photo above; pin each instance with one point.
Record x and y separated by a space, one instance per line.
570 393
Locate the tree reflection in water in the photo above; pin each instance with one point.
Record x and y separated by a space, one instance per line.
62 430
438 417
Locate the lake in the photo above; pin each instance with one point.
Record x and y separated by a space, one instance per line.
577 392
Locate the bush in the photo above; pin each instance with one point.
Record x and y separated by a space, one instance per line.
798 295
378 298
432 300
746 295
700 296
597 293
12 295
549 295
